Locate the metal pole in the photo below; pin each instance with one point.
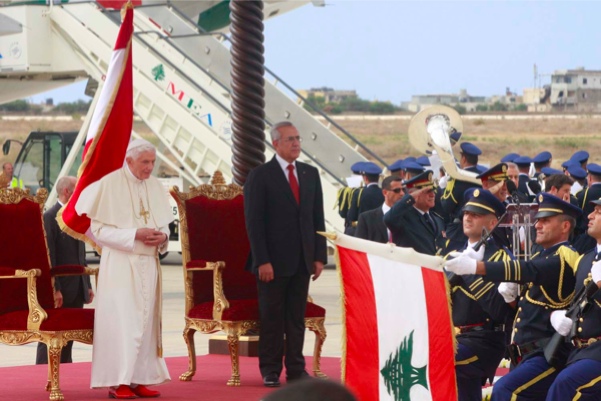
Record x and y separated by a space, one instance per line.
248 114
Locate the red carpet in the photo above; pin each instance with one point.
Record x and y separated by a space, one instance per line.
26 383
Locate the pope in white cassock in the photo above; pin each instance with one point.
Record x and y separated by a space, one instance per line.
130 214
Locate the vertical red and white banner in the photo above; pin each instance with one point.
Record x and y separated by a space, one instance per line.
110 128
398 332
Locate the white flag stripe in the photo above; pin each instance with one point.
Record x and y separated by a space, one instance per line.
389 251
118 58
401 308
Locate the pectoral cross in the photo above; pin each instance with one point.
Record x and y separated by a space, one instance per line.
143 212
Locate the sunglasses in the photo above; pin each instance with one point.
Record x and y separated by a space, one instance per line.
396 190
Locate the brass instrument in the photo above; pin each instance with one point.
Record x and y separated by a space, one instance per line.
429 133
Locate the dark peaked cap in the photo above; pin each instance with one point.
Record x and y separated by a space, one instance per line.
549 205
495 173
481 201
470 149
422 180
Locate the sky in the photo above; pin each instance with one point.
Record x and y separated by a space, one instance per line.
391 50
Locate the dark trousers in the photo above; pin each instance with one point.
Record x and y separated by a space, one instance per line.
582 378
41 357
282 304
470 375
530 380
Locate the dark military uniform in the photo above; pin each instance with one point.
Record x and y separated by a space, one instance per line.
550 278
451 203
583 373
367 198
479 315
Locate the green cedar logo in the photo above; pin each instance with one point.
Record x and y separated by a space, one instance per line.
158 72
399 376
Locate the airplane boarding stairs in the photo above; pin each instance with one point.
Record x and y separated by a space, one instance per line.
182 91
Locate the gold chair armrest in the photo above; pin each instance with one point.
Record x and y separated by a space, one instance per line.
37 314
220 302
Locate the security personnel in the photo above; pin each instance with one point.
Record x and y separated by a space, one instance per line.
549 279
452 202
368 198
479 311
543 159
582 376
410 221
495 180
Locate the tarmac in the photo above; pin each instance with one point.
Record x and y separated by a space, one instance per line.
325 292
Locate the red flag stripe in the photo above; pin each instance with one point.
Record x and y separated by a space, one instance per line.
441 368
362 349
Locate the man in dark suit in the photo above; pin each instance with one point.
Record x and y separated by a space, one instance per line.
371 223
283 206
410 221
69 291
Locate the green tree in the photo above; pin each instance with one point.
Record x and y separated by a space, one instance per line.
460 108
382 108
16 106
520 107
498 106
481 107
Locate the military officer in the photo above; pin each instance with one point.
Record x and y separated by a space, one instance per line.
581 379
479 311
495 180
452 202
549 279
410 221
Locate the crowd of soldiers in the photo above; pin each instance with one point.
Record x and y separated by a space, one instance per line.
533 306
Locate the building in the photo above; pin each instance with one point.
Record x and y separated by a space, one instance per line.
576 90
328 94
419 102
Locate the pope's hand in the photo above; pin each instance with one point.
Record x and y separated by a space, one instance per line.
509 291
596 271
472 254
561 323
461 265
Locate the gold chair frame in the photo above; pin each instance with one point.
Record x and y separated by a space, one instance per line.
54 340
219 190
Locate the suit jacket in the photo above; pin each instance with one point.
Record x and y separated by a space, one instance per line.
410 230
371 226
281 231
65 250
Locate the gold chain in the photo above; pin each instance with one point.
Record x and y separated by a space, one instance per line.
131 197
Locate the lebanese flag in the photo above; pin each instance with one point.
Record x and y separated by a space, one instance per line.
398 335
109 131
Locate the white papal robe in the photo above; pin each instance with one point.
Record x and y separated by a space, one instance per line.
127 327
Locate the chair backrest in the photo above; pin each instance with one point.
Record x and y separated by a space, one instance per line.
23 246
212 228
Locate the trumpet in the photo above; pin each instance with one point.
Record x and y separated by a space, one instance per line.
429 133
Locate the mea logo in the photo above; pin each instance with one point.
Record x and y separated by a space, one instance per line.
158 73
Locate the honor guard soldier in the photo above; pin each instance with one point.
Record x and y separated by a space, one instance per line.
412 169
527 187
410 221
396 168
509 158
593 189
582 376
494 180
368 198
345 195
549 279
423 161
541 160
454 137
452 199
479 311
581 157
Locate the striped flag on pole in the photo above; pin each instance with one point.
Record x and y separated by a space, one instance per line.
110 128
398 341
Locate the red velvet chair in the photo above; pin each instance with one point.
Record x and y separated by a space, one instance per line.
27 312
220 294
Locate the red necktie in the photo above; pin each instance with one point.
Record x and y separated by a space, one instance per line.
293 183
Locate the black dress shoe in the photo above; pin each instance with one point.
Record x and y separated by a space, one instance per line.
271 380
301 376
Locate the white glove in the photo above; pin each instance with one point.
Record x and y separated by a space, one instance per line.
509 291
443 181
461 265
596 271
471 253
561 323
